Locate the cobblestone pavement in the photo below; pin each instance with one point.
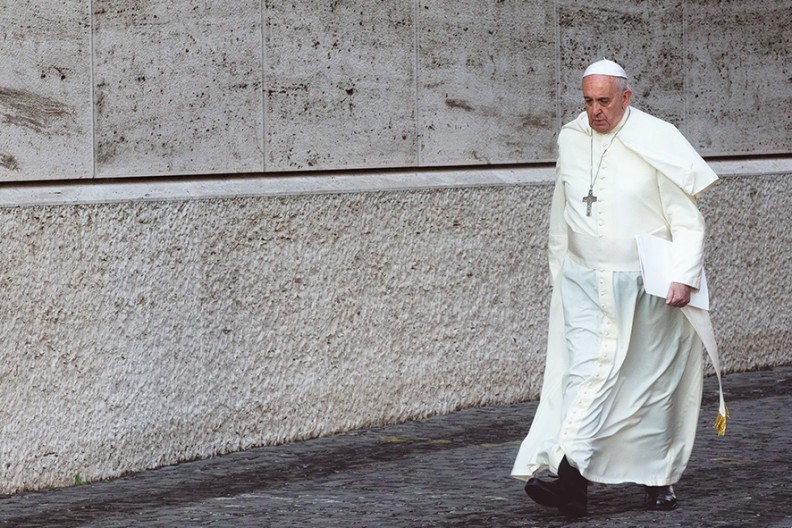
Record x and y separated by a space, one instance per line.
446 471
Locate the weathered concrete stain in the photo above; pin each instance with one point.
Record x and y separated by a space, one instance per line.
459 103
528 121
31 110
8 161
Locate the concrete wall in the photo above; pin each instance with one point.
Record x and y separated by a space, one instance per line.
148 321
113 88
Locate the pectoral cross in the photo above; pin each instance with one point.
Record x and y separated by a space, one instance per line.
590 199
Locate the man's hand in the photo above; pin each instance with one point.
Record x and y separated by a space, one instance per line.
678 295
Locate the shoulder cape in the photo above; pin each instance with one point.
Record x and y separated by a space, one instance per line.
662 146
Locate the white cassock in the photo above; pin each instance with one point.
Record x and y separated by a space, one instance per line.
623 380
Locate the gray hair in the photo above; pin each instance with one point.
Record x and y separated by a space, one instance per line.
621 84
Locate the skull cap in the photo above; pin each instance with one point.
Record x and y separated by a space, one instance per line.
605 67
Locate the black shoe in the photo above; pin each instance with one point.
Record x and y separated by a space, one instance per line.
568 493
546 493
660 498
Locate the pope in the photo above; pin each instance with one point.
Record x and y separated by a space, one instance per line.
623 376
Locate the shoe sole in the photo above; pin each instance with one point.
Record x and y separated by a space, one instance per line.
545 497
542 496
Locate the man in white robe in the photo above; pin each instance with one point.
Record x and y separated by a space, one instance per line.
623 379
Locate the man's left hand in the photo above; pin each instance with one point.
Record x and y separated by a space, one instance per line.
678 295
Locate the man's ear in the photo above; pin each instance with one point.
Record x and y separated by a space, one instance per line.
627 96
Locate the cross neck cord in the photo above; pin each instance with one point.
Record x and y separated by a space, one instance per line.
593 176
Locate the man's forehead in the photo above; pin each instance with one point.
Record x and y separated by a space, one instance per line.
598 85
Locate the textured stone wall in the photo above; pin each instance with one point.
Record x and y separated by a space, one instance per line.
750 269
115 88
142 333
139 334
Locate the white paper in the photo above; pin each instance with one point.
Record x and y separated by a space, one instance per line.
656 264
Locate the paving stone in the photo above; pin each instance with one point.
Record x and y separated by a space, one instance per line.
446 471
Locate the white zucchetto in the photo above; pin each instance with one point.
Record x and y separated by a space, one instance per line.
605 67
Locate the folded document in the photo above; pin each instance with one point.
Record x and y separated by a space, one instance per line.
656 270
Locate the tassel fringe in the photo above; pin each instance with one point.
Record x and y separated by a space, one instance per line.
720 422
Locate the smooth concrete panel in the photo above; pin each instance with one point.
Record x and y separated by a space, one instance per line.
486 88
178 87
645 37
739 76
340 84
45 90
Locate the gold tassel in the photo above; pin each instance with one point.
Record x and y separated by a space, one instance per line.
720 423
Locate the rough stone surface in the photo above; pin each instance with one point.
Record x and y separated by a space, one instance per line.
178 87
444 472
141 334
340 84
486 90
45 90
749 268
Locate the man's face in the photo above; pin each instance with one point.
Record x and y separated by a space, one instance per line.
605 102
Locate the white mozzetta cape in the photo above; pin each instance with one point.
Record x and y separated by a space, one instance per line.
623 378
